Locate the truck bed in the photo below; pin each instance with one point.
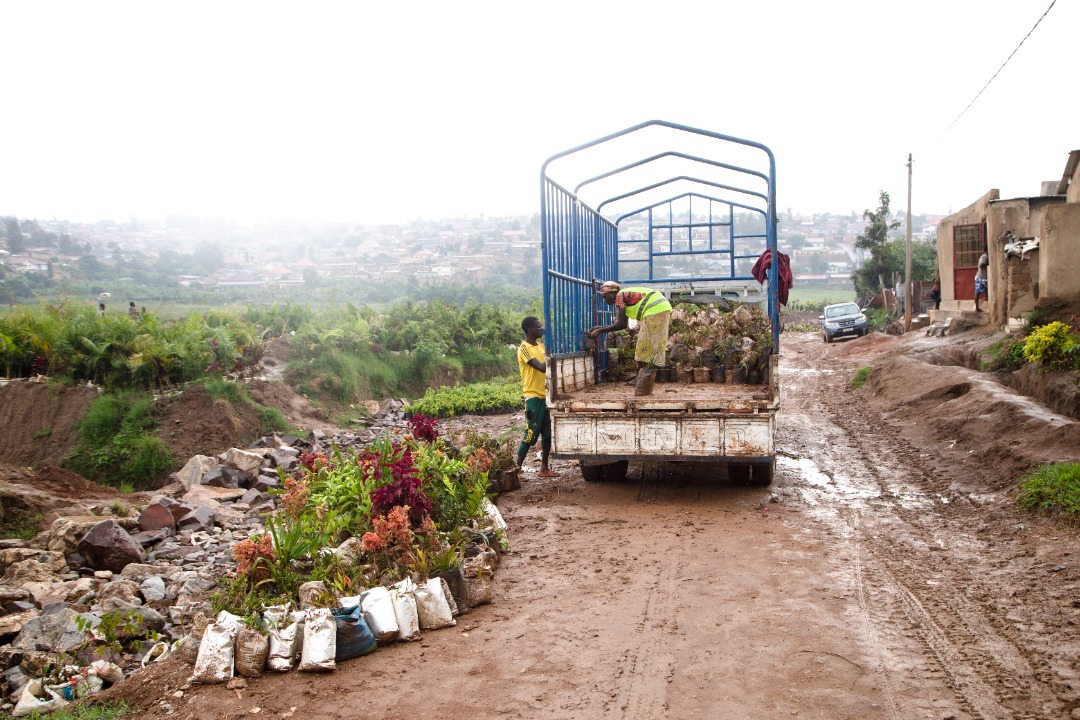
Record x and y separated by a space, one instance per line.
667 396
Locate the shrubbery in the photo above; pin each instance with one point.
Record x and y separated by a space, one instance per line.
1054 345
499 395
116 446
1054 490
412 502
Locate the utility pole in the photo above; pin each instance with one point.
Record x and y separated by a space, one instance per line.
908 299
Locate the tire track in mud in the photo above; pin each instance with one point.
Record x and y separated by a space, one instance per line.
869 629
991 667
642 666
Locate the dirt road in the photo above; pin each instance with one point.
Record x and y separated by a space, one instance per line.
868 582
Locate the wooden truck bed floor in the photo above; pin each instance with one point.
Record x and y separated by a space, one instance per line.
703 395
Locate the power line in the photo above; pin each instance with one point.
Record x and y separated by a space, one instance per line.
998 70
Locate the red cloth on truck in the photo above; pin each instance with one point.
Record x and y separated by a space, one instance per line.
764 264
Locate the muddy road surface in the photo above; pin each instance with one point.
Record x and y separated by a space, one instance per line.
876 578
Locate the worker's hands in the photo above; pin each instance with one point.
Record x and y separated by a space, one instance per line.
595 332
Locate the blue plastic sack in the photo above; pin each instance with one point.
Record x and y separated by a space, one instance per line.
354 637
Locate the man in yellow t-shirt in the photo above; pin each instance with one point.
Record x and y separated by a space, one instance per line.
531 364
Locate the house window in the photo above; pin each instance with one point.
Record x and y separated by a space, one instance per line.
968 243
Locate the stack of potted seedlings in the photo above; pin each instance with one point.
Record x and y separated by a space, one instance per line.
365 548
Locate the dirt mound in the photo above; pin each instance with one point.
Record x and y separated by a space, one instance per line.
996 432
37 421
194 423
296 408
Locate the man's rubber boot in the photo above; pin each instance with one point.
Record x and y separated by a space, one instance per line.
646 380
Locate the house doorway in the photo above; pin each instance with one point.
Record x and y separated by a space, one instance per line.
968 244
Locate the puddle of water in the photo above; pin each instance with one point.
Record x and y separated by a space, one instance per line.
806 469
816 486
808 371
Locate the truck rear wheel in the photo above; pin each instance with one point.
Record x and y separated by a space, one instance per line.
756 474
761 474
616 472
605 472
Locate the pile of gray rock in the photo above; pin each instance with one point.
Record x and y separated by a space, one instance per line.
157 561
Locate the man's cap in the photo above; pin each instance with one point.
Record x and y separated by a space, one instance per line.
609 286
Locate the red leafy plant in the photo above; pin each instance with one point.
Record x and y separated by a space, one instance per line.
479 461
404 487
314 461
391 541
295 497
424 428
248 554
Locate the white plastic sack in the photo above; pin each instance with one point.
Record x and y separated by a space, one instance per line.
108 671
349 601
432 607
493 513
379 614
285 640
320 640
36 698
455 609
252 647
215 661
403 597
158 652
227 619
476 578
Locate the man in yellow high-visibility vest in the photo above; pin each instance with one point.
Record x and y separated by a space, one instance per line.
653 313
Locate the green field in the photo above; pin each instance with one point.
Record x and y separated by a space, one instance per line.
818 294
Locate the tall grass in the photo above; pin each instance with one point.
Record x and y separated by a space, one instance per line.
1053 490
116 445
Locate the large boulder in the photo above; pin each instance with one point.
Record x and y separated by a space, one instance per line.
192 473
245 461
158 515
53 632
54 561
224 476
109 547
66 532
12 625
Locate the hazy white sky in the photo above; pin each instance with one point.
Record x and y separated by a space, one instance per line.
384 112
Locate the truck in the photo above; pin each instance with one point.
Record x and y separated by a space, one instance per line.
688 212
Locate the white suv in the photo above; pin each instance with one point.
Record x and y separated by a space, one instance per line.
842 319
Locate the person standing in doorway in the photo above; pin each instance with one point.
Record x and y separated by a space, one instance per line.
981 289
533 367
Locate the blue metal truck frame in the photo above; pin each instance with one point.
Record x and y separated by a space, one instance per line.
582 248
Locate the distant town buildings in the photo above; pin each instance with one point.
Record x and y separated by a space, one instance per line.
822 248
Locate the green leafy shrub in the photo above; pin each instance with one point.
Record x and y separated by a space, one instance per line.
1005 354
860 377
23 526
271 420
219 389
1053 490
117 445
1054 345
500 395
